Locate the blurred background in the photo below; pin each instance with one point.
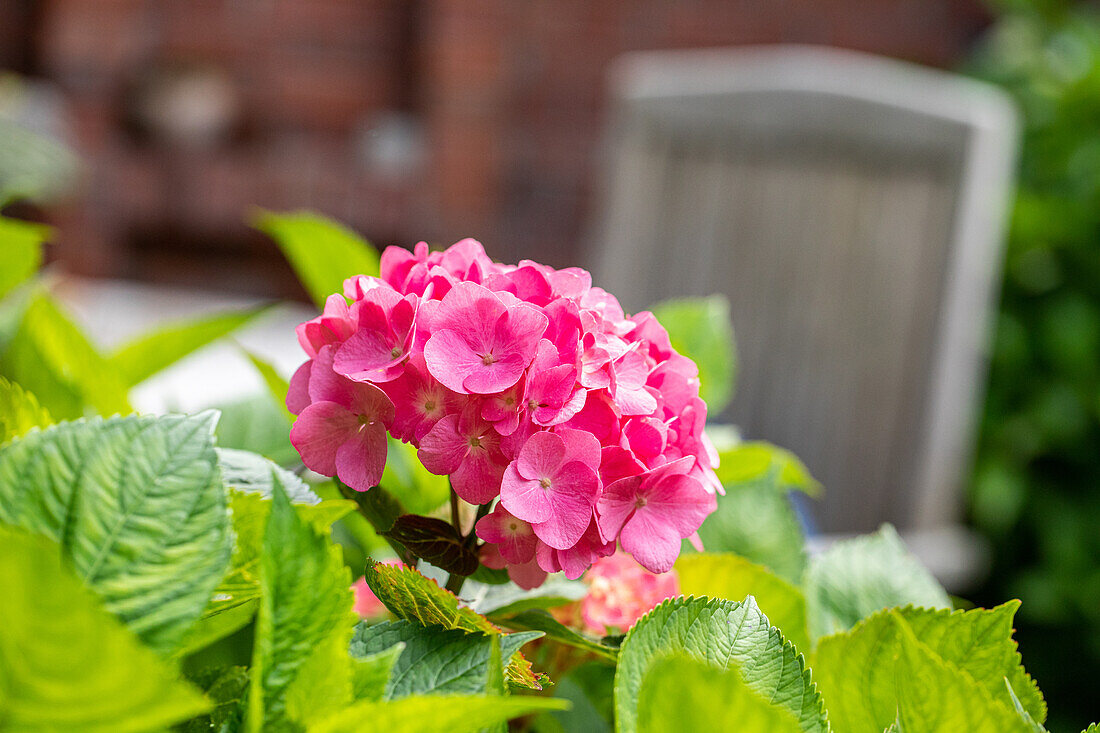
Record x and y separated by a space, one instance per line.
145 131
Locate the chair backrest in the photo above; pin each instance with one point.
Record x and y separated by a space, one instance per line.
852 209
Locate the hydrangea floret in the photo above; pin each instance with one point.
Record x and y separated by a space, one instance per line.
575 427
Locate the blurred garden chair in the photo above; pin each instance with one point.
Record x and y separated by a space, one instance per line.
852 209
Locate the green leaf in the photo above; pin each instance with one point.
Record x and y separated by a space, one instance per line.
435 660
854 578
757 460
700 329
19 411
537 619
732 577
138 506
277 386
66 664
51 357
305 601
435 541
226 688
680 693
589 687
1033 726
434 713
755 520
322 252
856 670
510 599
371 673
727 634
151 352
979 642
259 425
411 596
935 696
253 474
20 251
405 477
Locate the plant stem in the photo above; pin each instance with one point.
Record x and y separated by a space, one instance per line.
454 583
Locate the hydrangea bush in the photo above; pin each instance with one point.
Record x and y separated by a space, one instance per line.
495 433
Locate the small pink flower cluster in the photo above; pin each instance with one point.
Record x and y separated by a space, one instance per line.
519 382
621 591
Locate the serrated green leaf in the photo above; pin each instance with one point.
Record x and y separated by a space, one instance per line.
305 601
1033 726
51 357
434 713
755 520
727 634
855 578
66 664
322 252
19 411
937 697
732 577
141 358
250 473
371 673
411 596
755 460
537 619
323 684
1093 728
225 687
980 643
20 251
861 678
138 506
435 660
680 693
700 329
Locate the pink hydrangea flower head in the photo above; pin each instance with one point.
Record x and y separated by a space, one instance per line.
466 448
620 591
652 512
522 382
479 345
552 489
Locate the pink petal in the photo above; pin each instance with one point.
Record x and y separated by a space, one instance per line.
368 401
528 575
512 535
319 432
573 492
680 501
478 479
367 355
653 543
297 396
525 498
520 331
616 463
443 449
581 446
541 457
361 459
496 376
450 359
616 504
325 385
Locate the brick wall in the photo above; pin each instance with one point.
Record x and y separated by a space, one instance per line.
409 119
